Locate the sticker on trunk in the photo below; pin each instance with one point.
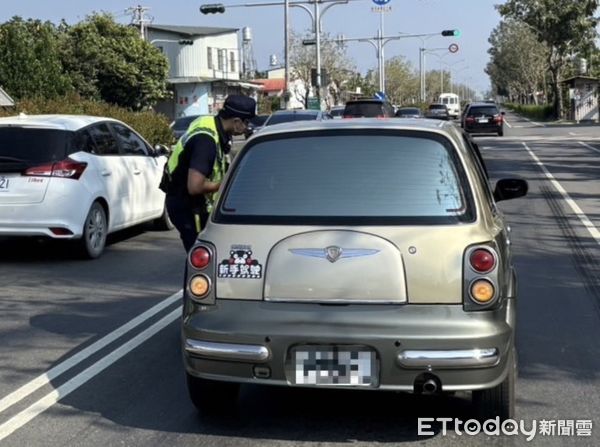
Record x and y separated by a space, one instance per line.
240 265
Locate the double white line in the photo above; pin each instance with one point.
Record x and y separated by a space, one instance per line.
71 385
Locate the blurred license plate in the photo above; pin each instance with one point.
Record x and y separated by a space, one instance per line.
4 182
334 366
482 120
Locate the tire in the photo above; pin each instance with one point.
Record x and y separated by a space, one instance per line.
163 223
500 400
95 229
211 397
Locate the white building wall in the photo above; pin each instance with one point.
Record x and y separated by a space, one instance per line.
227 43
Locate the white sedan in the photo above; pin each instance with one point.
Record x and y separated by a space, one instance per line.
77 177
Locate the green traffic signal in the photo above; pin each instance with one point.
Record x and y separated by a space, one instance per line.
451 32
213 8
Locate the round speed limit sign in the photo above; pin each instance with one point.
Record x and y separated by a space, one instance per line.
453 48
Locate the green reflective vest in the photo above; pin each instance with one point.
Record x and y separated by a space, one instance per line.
208 126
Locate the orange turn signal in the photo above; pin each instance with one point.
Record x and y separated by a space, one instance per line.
482 291
199 286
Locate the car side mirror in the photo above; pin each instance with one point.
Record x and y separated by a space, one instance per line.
510 188
161 149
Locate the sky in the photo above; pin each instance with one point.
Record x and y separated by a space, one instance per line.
474 18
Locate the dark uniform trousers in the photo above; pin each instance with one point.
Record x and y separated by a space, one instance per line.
183 216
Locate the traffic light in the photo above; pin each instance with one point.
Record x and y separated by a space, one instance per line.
213 8
186 42
451 32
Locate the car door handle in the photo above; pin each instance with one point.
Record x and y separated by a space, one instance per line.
106 173
136 172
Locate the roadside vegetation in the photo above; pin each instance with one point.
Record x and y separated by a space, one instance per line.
95 67
538 45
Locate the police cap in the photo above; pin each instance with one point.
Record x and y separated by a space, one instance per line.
239 106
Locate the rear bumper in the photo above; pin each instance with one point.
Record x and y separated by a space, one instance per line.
483 129
464 350
66 210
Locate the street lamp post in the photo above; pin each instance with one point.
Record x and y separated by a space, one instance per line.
316 18
378 43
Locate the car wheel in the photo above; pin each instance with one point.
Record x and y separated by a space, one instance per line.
95 229
500 400
163 223
212 397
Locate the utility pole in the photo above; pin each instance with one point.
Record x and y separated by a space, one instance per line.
139 18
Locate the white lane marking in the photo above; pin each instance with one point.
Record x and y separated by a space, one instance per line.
507 123
587 223
590 147
572 133
64 390
56 371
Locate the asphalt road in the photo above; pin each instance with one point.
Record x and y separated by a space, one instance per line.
90 356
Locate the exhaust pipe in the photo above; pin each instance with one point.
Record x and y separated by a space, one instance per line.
430 386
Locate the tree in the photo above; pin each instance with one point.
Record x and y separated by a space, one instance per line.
518 60
562 25
402 82
334 61
109 61
30 61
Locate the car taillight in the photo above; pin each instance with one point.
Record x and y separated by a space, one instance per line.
66 169
200 286
482 291
470 119
200 257
482 260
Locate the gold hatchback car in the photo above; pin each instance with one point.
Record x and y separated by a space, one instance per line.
355 254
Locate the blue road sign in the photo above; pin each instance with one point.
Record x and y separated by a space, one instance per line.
381 2
380 95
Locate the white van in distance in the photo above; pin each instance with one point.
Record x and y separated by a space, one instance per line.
452 102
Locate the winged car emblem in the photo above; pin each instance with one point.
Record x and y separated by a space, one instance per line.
333 252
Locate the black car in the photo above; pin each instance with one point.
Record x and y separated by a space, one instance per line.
368 108
409 112
484 118
181 124
438 111
256 124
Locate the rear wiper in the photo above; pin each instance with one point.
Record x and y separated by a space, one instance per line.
5 158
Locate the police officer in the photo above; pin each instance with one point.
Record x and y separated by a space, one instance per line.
196 167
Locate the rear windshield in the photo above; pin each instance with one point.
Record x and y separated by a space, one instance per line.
437 107
30 145
336 112
366 109
355 177
289 117
259 120
183 123
477 111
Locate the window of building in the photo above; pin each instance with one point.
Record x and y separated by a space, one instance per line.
209 57
232 61
221 60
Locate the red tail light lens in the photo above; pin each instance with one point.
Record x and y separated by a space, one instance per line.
470 119
200 257
482 260
66 169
